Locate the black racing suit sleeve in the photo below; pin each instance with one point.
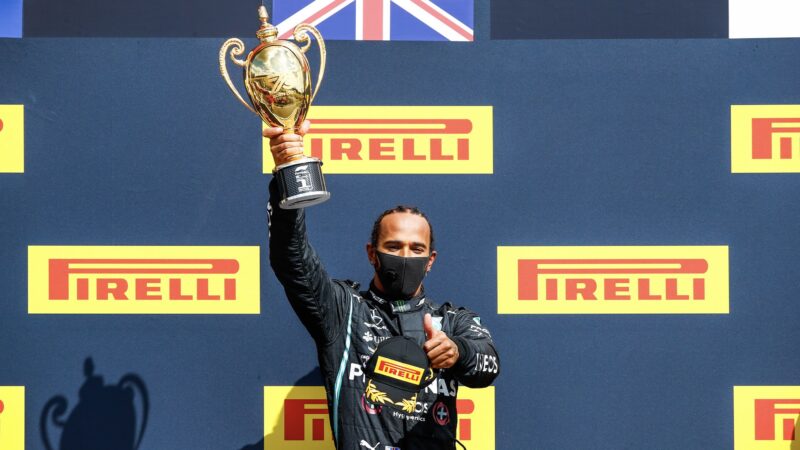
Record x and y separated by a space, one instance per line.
478 363
316 299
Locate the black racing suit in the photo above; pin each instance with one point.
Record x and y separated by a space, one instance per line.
347 325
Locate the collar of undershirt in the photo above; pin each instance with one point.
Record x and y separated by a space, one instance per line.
398 306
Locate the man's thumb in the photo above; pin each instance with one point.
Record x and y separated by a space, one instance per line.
272 132
427 325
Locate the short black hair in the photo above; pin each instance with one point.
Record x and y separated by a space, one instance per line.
376 227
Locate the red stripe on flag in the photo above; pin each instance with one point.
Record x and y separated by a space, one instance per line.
373 20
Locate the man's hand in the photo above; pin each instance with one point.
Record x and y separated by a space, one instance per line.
441 350
286 147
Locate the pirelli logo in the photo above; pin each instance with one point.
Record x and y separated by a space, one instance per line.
12 138
398 370
12 417
766 417
613 280
399 139
765 138
143 280
297 418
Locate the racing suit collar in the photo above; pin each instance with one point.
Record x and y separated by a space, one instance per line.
397 306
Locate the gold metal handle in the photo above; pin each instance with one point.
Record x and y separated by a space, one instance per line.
301 35
237 48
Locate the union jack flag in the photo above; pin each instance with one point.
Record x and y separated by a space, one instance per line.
379 20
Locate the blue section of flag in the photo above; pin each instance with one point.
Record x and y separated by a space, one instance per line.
345 20
10 18
282 9
406 27
609 19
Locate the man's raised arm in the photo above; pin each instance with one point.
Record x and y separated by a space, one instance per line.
315 298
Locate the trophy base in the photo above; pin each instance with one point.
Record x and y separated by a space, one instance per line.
301 184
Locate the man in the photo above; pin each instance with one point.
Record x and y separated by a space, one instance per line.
347 325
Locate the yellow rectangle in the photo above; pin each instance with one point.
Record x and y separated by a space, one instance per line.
143 280
613 280
765 138
476 418
399 139
12 417
765 417
12 139
289 416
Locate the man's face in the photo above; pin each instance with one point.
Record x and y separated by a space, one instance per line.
403 234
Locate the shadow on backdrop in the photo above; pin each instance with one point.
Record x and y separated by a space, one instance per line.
795 442
312 378
104 418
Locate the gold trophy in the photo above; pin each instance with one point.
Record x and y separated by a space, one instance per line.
277 79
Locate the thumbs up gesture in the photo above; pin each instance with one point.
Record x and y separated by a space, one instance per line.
441 350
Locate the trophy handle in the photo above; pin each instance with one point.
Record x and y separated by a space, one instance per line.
57 406
301 35
237 48
133 382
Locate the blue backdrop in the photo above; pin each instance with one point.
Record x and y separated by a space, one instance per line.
139 142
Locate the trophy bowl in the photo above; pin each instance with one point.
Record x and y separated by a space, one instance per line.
277 79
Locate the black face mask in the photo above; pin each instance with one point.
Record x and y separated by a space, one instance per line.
401 276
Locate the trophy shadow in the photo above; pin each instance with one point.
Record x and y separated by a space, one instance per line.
105 416
312 378
795 441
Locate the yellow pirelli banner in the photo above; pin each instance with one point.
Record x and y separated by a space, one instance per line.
296 417
612 280
12 138
143 280
766 417
399 139
765 138
12 417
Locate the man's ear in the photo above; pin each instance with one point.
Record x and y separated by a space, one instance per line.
431 259
373 259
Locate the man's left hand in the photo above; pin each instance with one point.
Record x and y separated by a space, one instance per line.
441 350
